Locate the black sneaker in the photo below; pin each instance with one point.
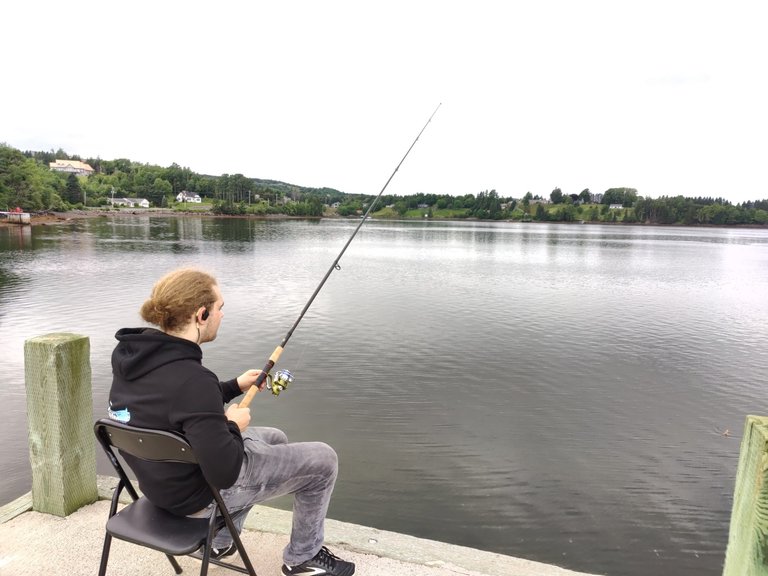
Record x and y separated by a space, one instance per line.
219 553
323 564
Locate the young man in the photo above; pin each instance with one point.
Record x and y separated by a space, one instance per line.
159 382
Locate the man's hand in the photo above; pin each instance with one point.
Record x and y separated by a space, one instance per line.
240 416
247 379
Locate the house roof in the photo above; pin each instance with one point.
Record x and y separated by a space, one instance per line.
76 164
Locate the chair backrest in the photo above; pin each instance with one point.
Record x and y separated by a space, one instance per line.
144 443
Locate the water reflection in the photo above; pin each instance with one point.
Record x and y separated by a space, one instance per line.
547 391
15 237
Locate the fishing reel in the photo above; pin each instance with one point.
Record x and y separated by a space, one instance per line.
279 381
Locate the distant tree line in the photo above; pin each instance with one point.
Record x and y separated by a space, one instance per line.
625 205
27 182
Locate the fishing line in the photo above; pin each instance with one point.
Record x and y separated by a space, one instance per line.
282 378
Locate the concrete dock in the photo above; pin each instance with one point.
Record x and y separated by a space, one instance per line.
32 543
15 217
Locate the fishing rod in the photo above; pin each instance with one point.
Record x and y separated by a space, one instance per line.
284 377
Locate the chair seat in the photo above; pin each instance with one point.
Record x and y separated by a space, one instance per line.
144 523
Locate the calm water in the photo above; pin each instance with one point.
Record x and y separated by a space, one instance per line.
551 392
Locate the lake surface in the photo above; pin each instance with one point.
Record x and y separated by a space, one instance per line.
553 392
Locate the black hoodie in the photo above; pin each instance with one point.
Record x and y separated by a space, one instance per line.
159 382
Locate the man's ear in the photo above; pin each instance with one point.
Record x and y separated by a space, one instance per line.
202 314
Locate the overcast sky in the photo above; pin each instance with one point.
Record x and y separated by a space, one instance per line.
669 97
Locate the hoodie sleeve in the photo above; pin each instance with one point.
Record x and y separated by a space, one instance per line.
199 412
230 390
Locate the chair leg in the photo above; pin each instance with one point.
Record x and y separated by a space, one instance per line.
105 554
208 543
176 567
238 543
243 554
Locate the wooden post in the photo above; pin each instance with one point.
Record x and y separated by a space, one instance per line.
748 535
62 447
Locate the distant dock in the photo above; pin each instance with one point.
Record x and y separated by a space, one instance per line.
15 217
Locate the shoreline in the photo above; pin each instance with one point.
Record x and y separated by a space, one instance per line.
47 218
51 218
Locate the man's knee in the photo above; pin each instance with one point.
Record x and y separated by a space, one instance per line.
325 457
278 436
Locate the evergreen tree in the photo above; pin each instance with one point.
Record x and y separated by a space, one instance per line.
73 193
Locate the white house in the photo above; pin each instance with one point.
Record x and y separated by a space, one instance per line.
71 167
130 202
185 196
616 206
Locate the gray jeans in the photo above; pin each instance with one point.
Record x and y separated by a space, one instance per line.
274 467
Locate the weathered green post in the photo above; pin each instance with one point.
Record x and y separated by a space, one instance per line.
748 536
57 371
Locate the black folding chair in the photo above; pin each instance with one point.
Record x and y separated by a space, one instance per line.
143 523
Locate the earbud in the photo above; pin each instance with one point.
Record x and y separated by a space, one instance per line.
205 314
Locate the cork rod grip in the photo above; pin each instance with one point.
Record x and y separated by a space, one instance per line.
259 384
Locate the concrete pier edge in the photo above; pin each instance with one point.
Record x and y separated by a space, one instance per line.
361 539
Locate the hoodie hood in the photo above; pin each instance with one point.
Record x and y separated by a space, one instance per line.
142 350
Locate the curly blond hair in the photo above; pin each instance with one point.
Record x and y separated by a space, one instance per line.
178 295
